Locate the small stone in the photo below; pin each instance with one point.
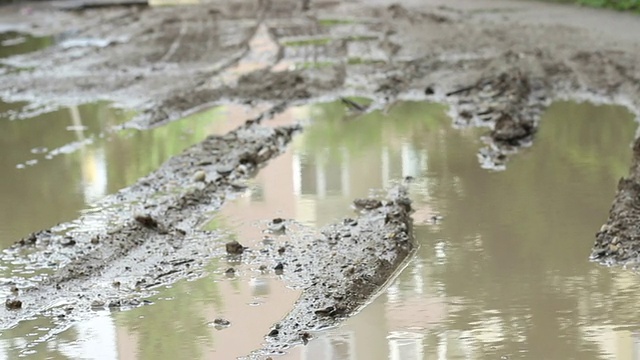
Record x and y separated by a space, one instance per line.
230 272
274 333
305 337
225 170
67 241
367 204
279 268
222 322
95 240
146 220
277 226
281 250
234 248
429 91
13 304
200 176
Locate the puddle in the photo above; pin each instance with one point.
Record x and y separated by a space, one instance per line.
503 274
58 163
13 43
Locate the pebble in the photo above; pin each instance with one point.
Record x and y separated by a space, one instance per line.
200 176
13 304
222 322
234 248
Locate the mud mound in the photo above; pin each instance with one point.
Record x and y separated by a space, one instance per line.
143 236
343 269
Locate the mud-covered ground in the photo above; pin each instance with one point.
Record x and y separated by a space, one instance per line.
497 63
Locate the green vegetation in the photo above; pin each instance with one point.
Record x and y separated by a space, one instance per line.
307 42
362 61
313 65
626 5
13 43
182 308
333 22
333 128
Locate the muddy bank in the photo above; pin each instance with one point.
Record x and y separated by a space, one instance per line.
141 237
618 241
497 64
494 62
339 270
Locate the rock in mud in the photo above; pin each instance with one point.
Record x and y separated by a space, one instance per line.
146 220
277 226
339 277
220 322
367 204
200 176
13 304
234 248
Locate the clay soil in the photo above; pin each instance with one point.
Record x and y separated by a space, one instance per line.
498 64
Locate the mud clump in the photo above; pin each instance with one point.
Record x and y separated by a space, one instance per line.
146 220
509 104
234 248
13 304
342 269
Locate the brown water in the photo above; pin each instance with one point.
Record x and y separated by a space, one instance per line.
504 274
55 165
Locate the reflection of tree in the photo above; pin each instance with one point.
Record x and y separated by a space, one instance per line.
52 182
517 242
30 44
183 313
128 155
16 338
133 154
333 128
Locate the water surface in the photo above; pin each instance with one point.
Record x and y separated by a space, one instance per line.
503 275
56 164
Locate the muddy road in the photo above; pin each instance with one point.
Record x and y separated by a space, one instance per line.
497 64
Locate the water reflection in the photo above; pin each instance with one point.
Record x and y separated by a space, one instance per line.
13 43
56 164
504 274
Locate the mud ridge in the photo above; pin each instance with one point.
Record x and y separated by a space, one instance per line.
143 236
618 241
340 270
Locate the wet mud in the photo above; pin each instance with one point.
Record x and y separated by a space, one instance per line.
497 71
143 236
340 270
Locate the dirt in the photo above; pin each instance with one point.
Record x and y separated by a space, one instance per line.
496 63
341 269
146 235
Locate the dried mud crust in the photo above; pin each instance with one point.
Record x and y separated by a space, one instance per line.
143 236
342 269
